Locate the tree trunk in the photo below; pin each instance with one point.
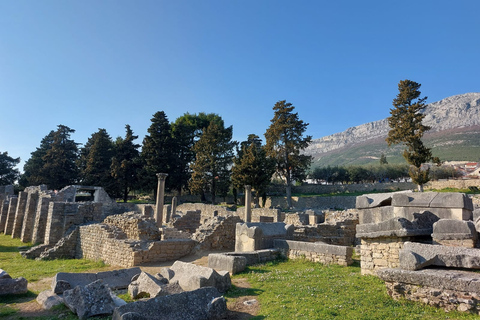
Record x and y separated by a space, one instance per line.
420 187
289 196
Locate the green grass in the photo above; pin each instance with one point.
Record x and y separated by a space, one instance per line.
16 266
305 290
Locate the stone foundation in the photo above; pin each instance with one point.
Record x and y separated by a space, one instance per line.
315 252
380 253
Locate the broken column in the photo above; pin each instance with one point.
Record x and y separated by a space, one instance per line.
160 198
172 211
248 203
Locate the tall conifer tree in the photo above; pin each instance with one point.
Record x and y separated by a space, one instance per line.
285 142
406 127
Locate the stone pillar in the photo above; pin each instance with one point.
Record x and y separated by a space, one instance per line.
20 213
29 218
12 208
173 209
3 214
248 203
160 198
38 235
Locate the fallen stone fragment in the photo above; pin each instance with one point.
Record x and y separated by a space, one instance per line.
94 299
190 277
147 285
49 299
201 304
13 286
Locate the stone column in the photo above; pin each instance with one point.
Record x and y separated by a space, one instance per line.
173 209
29 218
160 198
248 203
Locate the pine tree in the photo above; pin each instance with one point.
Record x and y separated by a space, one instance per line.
8 173
285 141
31 170
406 127
186 130
55 160
252 167
211 167
95 161
158 152
126 163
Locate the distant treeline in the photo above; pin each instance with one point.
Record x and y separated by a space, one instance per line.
374 173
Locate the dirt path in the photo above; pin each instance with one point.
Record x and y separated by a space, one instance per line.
241 308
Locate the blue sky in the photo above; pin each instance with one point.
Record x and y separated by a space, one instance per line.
104 64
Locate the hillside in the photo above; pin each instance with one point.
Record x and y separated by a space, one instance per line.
455 135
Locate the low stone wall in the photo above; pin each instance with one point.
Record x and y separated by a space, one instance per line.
135 226
109 244
457 184
341 233
187 222
340 188
377 253
338 202
263 214
206 210
446 289
315 252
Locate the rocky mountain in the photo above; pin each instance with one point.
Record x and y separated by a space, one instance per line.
453 120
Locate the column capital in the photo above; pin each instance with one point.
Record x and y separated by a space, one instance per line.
162 176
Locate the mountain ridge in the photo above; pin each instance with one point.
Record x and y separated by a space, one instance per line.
452 114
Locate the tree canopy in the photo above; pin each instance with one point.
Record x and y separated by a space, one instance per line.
8 173
285 141
252 167
211 167
406 127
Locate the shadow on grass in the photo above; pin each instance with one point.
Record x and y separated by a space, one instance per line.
18 298
236 292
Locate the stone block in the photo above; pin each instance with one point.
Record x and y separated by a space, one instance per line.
374 200
232 264
256 236
395 227
48 299
94 299
191 277
116 279
437 255
375 215
452 229
200 304
13 286
146 285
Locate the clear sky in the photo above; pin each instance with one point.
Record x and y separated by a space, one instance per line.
103 64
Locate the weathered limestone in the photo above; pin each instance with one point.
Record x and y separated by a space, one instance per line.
94 299
191 277
456 233
12 286
263 214
248 204
316 252
447 289
146 285
29 217
415 256
256 236
232 264
160 198
38 235
48 299
116 279
217 233
3 214
19 214
12 207
200 304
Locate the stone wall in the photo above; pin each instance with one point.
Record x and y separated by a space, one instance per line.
206 210
332 202
380 253
457 184
187 222
340 188
217 233
315 252
110 244
341 233
135 226
263 214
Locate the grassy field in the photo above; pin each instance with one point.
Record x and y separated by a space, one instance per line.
285 289
306 290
